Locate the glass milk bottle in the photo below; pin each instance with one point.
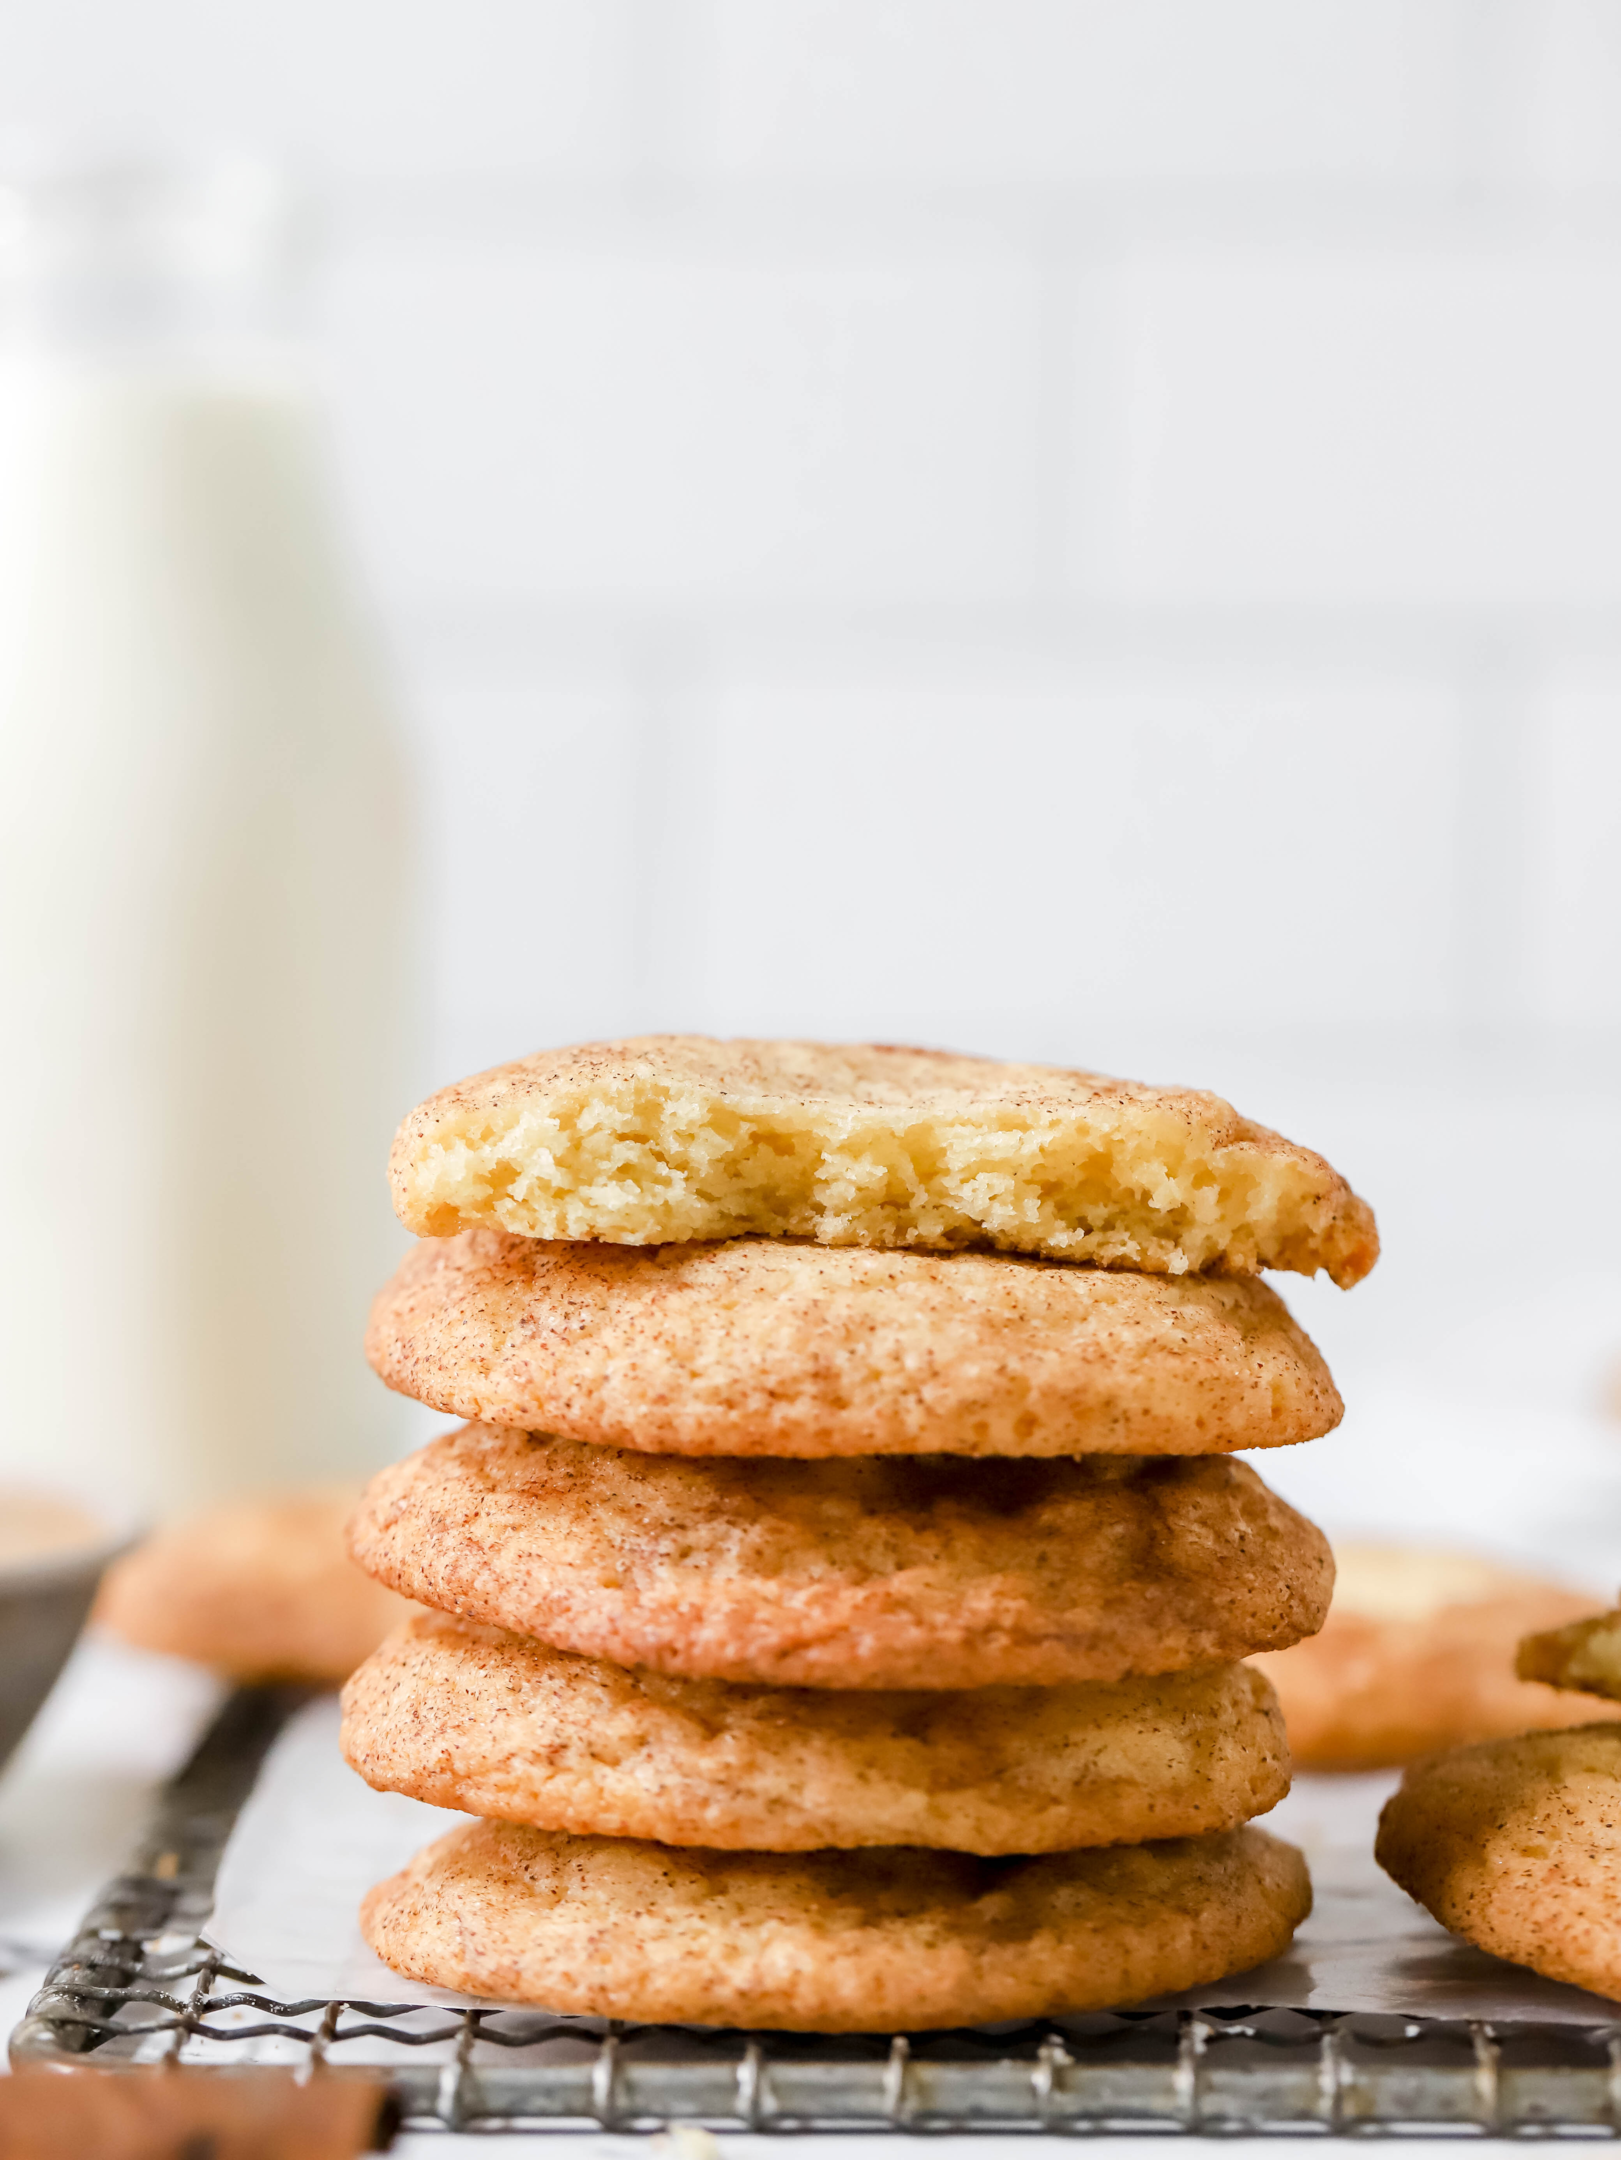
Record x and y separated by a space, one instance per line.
203 849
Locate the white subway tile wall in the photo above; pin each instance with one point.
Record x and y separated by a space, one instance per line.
630 424
529 792
1089 528
1194 845
1417 426
1043 92
1572 871
385 90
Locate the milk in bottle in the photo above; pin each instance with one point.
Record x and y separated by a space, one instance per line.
202 864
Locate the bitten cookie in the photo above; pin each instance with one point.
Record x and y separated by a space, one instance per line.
830 1942
1585 1654
665 1139
764 1346
1516 1846
261 1589
898 1572
1417 1653
497 1725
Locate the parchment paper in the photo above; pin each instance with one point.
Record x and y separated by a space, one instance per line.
313 1838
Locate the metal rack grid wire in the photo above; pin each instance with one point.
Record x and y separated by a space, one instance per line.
141 1983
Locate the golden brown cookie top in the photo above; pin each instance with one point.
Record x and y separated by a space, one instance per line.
663 1139
765 1346
887 1571
1417 1653
881 1940
499 1725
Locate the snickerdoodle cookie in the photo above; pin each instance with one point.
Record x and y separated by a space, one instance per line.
499 1725
1516 1846
831 1941
262 1589
1417 1653
893 1572
666 1139
1584 1654
763 1346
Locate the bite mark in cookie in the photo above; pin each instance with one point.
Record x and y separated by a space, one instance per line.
664 1139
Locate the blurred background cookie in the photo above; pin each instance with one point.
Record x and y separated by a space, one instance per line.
1418 1653
260 1589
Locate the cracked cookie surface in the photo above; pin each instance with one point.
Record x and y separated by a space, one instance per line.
890 1572
499 1725
873 1941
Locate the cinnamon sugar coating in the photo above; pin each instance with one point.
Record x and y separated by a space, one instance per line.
876 1941
499 1725
890 1572
1516 1846
765 1346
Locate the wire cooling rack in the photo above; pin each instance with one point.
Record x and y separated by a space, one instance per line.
141 1983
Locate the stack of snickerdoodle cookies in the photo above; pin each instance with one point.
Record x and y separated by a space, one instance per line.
837 1599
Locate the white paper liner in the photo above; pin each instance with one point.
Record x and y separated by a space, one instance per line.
313 1838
